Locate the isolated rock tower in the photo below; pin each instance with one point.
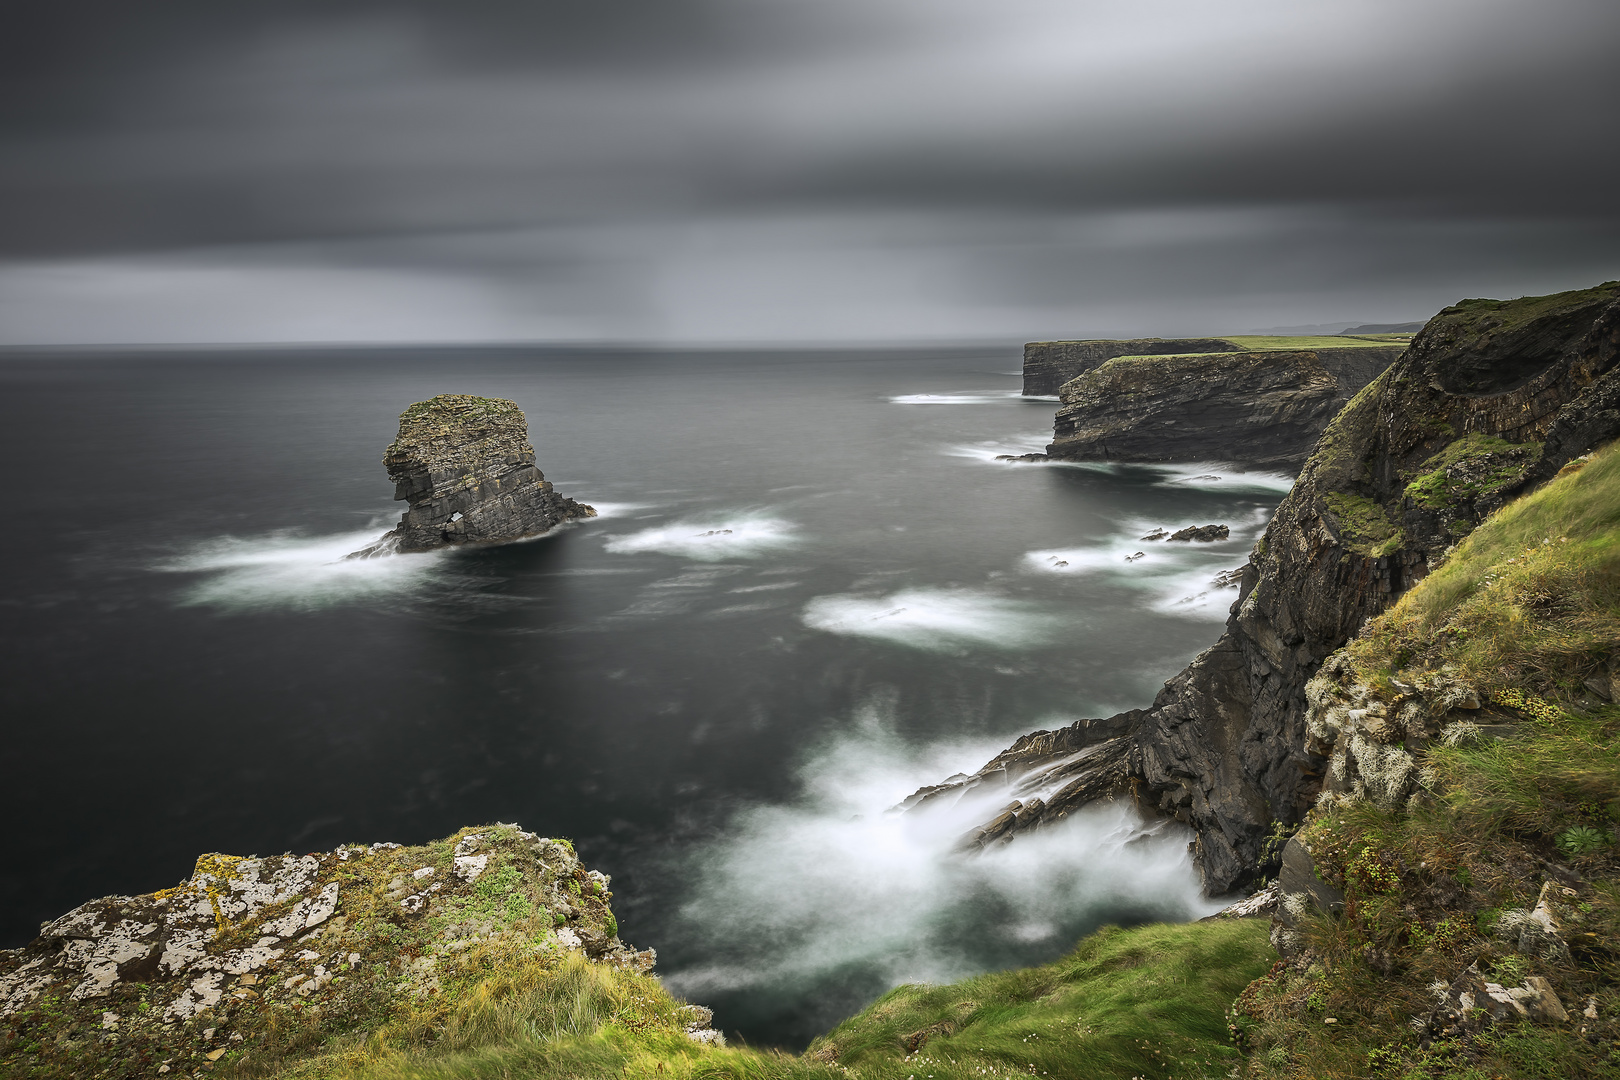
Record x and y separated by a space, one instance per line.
465 466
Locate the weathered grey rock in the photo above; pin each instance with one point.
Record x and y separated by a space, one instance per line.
1225 743
245 947
1470 1002
1050 364
1298 876
1262 409
1540 932
1262 905
1075 766
465 466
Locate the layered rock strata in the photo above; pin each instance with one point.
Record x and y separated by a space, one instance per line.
1261 409
1490 399
1050 364
465 466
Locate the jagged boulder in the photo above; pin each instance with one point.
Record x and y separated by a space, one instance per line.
465 466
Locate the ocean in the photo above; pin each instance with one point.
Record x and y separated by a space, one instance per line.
811 589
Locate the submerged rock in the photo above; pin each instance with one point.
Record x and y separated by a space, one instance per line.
467 469
1203 534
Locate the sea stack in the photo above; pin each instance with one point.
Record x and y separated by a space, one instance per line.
465 466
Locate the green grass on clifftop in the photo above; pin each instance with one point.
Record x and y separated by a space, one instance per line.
1521 792
1147 1002
1532 599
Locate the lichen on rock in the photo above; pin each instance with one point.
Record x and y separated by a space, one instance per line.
253 955
466 467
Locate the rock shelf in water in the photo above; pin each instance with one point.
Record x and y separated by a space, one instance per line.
465 466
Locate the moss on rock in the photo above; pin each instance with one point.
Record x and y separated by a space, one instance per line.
252 964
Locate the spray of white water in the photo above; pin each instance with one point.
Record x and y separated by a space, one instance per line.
731 536
286 570
970 397
837 881
936 619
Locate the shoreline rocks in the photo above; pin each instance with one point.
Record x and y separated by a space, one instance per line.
465 466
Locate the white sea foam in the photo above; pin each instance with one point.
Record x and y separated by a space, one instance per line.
287 570
605 510
970 397
991 449
1192 594
1218 477
774 586
1179 577
737 536
938 619
833 881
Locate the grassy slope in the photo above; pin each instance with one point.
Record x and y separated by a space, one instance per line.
1147 1002
1525 609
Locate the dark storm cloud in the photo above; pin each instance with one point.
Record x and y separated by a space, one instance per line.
158 125
792 169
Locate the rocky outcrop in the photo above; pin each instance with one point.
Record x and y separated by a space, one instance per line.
465 466
1050 364
1261 409
295 946
1491 398
1046 775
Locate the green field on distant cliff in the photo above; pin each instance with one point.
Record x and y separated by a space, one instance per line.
1275 343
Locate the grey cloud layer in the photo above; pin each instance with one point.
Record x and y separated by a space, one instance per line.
214 123
792 169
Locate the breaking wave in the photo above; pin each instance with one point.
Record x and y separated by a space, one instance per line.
838 892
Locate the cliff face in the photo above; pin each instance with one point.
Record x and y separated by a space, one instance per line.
465 466
1490 398
1050 364
1263 409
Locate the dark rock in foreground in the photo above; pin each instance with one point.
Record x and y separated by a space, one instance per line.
466 467
1490 399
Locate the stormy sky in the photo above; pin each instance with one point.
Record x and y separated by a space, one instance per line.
684 171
